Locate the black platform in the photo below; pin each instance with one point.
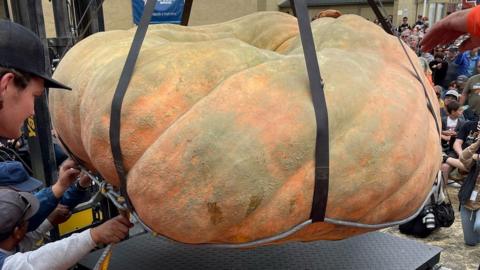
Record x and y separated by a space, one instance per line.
374 250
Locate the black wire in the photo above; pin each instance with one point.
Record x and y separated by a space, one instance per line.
429 103
84 14
80 37
89 22
18 157
7 156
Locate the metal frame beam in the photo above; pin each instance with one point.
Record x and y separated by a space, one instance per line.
187 8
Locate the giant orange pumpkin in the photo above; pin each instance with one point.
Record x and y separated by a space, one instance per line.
218 126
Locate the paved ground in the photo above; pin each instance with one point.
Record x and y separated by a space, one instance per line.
455 254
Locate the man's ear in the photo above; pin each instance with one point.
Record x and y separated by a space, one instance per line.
4 81
20 231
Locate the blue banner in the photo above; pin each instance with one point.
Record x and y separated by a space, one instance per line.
166 11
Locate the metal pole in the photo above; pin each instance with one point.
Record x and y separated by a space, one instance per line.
424 7
186 12
383 21
292 6
60 13
4 13
95 12
63 40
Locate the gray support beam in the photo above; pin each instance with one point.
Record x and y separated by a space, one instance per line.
95 12
4 14
60 13
63 42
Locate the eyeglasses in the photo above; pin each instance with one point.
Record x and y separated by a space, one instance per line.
28 205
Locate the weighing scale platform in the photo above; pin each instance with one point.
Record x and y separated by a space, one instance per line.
374 250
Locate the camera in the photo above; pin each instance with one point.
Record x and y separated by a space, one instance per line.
429 218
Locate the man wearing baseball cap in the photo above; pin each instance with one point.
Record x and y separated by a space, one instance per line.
21 49
16 208
461 81
23 76
471 94
453 93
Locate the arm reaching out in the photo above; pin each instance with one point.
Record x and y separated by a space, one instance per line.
453 26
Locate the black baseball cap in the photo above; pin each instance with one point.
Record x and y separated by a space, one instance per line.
22 49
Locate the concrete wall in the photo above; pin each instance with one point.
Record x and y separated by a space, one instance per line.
435 9
211 11
48 18
362 10
406 8
118 13
208 11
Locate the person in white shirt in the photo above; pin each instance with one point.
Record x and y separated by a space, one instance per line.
17 207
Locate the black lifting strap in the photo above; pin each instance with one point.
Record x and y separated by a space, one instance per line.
320 193
117 101
385 24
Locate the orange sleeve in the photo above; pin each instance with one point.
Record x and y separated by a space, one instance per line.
473 21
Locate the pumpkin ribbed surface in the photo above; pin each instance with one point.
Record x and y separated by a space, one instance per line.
218 127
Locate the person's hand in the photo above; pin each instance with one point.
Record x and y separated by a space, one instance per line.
85 180
470 43
448 132
446 137
66 176
112 231
447 30
59 215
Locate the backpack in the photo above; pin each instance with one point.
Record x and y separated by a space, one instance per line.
438 213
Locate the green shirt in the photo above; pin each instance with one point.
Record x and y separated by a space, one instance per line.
473 98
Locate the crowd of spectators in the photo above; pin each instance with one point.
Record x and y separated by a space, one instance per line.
455 77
